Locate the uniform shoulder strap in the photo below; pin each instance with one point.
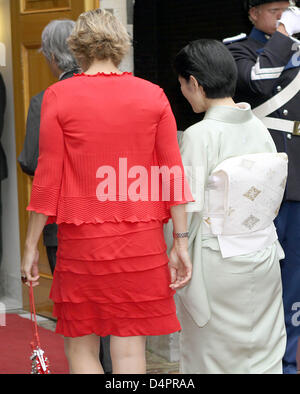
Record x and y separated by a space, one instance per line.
280 99
239 37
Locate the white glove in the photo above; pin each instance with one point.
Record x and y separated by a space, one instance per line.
291 20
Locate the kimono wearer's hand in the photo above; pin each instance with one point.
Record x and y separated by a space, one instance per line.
29 266
180 264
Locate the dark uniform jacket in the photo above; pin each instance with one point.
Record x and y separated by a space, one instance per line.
3 161
28 158
266 65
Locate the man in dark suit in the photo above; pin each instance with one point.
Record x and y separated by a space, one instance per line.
63 66
3 162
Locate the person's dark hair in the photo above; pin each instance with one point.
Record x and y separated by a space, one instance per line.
213 66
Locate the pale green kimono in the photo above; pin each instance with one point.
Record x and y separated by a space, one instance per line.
231 312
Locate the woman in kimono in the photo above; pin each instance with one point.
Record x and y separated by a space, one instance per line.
231 312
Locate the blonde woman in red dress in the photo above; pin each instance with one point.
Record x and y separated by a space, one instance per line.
103 133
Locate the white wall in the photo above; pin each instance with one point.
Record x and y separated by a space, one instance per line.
10 286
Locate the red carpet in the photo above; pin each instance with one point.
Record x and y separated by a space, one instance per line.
15 349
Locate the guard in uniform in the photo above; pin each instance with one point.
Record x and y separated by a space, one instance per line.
268 62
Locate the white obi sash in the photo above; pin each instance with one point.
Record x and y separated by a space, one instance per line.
242 199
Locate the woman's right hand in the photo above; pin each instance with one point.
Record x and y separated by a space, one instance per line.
180 264
29 265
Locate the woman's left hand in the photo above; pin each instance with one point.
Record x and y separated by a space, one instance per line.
29 266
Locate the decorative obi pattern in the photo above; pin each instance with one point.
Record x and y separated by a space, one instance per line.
244 193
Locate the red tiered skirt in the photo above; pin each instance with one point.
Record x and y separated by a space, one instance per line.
113 279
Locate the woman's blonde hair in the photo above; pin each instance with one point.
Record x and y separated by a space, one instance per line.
98 34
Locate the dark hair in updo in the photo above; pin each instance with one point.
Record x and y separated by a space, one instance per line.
213 66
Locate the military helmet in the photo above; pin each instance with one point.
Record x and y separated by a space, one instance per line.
253 3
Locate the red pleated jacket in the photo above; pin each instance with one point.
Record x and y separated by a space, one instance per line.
102 139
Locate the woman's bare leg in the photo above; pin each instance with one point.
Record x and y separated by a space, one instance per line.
128 354
83 354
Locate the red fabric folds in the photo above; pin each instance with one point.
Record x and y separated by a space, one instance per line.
163 325
98 267
45 200
113 278
141 286
132 310
90 210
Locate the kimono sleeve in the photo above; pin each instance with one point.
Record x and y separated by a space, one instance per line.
175 184
48 175
194 145
194 153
